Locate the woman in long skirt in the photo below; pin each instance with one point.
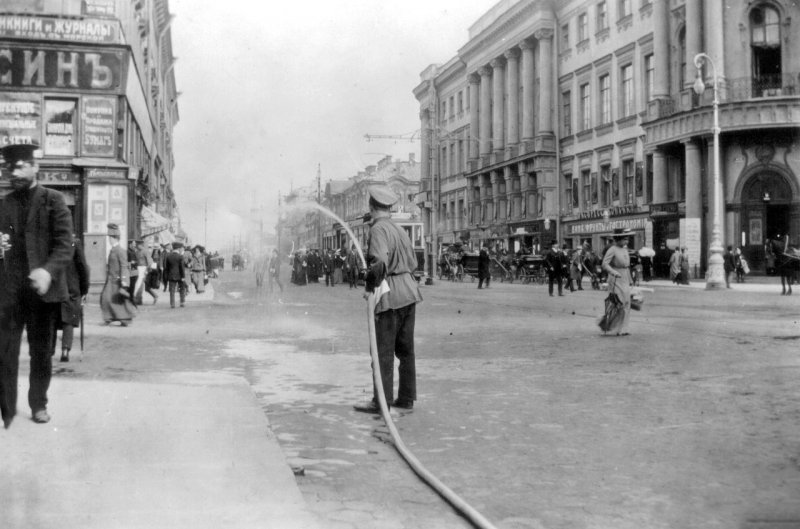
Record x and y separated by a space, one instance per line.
617 263
115 301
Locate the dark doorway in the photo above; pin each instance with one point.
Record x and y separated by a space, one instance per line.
777 220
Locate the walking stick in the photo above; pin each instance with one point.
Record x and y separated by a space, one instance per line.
80 359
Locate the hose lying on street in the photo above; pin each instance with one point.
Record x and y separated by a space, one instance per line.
476 518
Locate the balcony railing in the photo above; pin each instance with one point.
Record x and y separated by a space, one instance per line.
775 85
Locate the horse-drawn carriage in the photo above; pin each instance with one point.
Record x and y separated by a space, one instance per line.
530 268
449 265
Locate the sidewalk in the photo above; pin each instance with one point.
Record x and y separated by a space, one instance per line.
764 284
179 453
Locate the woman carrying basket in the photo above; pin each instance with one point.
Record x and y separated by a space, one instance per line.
616 263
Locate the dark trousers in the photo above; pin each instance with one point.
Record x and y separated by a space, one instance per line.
274 278
67 336
394 330
481 281
329 278
181 286
39 319
554 276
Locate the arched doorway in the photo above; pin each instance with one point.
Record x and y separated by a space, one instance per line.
766 213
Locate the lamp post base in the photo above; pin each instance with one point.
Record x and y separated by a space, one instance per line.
715 276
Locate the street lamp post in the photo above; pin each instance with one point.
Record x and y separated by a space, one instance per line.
715 277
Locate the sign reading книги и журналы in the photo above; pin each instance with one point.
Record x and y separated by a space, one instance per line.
101 31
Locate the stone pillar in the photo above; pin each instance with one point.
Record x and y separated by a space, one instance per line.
512 87
498 132
694 41
474 116
545 38
509 178
528 129
715 44
661 49
427 139
694 186
660 177
485 110
495 176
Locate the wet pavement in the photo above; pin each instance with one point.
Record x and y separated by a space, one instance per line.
525 410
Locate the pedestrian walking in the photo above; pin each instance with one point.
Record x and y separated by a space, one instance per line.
554 264
275 270
740 263
576 269
483 267
133 271
77 275
684 266
115 299
729 264
392 258
198 269
175 274
351 267
35 249
675 266
617 263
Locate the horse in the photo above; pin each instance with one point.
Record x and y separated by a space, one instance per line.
787 264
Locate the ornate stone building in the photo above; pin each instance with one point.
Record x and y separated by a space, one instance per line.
566 120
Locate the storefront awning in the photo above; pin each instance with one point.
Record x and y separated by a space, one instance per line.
152 223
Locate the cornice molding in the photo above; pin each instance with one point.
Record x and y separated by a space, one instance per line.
517 16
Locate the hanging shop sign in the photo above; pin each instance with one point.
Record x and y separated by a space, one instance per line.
603 227
106 174
99 7
37 27
61 68
616 211
99 132
20 115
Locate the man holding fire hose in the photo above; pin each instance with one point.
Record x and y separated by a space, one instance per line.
391 257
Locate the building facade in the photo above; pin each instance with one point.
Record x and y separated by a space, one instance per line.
580 117
92 82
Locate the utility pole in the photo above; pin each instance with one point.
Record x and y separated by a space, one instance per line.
319 201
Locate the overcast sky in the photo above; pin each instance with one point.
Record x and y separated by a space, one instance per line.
273 89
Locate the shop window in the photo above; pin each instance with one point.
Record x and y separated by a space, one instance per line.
60 124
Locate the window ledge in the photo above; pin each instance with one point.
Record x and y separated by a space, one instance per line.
584 134
604 129
627 121
624 22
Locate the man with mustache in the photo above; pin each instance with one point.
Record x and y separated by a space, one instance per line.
36 229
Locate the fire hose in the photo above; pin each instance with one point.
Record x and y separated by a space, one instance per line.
476 518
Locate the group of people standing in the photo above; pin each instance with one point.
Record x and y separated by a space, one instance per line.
335 266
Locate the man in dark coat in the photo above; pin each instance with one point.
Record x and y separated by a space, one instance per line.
483 267
36 228
78 287
554 262
175 274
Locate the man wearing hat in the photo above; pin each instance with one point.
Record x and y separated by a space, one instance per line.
115 300
554 262
175 273
36 228
391 258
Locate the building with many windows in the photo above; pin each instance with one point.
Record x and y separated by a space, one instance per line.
92 82
567 120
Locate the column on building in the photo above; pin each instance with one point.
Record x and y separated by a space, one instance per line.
715 44
528 80
498 92
508 176
459 211
485 110
660 178
694 201
512 87
427 139
474 81
661 49
694 40
545 38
